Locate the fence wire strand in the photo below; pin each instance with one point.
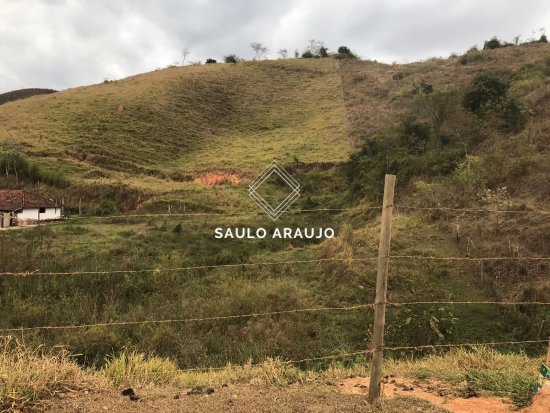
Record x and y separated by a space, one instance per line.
187 320
417 348
255 264
474 210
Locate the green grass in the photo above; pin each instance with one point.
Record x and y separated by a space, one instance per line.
181 121
506 375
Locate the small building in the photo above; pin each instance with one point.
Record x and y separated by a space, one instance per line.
19 207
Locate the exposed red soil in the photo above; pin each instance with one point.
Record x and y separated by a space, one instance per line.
217 178
442 395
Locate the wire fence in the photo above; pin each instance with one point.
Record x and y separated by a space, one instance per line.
398 207
264 314
215 318
267 263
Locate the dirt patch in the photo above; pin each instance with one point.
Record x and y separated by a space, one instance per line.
541 402
217 178
318 398
466 401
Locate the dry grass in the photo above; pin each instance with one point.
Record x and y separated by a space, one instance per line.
30 377
181 121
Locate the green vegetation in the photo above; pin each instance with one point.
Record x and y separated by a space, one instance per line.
15 168
189 140
507 375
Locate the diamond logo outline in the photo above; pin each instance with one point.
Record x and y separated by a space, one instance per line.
274 212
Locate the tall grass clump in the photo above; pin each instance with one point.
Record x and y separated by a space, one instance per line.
28 377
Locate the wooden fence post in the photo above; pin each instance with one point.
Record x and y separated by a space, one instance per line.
381 288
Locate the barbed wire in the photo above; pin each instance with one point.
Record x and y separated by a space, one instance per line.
535 303
187 320
189 268
264 314
254 264
473 210
245 213
418 348
428 257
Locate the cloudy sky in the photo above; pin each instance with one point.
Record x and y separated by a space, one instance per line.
65 43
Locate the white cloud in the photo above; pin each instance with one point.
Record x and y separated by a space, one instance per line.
67 43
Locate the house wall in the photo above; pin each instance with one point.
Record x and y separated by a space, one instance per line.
31 214
5 220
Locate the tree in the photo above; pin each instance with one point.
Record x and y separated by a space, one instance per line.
283 53
323 51
494 43
259 49
345 53
184 54
314 47
231 59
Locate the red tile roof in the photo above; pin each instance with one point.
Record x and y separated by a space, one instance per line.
15 199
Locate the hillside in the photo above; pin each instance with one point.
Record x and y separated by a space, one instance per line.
157 131
23 94
176 150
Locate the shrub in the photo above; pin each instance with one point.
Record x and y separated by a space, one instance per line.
345 53
231 59
543 39
487 92
178 228
307 55
210 61
437 107
106 207
494 43
323 51
472 55
515 114
426 87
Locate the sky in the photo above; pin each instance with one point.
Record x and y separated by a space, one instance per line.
60 44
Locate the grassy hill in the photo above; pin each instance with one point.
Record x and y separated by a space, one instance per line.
157 131
191 139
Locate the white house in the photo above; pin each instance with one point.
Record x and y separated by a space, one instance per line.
18 206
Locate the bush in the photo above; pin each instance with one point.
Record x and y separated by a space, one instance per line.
486 93
472 55
515 114
345 53
307 55
231 59
210 61
494 43
106 207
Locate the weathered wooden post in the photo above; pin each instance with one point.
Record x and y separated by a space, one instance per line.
381 288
